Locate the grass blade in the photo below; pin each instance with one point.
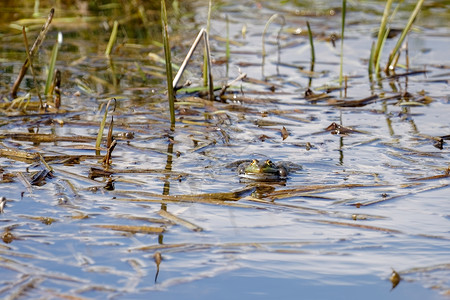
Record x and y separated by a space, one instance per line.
112 39
168 60
51 69
402 37
383 41
266 27
205 55
227 45
341 68
381 33
208 59
372 53
313 55
102 126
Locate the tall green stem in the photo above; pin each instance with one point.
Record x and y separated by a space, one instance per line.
341 69
168 60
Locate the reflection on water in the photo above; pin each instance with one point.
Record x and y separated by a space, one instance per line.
370 197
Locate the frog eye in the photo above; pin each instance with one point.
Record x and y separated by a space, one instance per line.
255 162
269 163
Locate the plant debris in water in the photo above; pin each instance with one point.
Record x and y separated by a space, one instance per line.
156 201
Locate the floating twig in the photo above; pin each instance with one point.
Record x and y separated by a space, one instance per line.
132 229
177 220
241 76
357 225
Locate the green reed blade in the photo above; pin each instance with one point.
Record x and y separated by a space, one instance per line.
341 68
112 39
403 35
227 45
372 52
168 61
102 126
310 36
383 41
51 69
266 27
208 60
205 56
36 8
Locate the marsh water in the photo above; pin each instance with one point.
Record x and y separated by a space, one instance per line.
170 217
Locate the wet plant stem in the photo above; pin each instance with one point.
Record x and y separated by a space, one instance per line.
41 104
390 65
56 87
102 125
202 34
382 34
112 39
31 53
51 68
313 55
227 45
266 27
377 61
370 69
168 61
341 69
205 55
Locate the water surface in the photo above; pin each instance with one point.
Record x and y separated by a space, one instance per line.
363 204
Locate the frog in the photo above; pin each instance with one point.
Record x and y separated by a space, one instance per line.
263 171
